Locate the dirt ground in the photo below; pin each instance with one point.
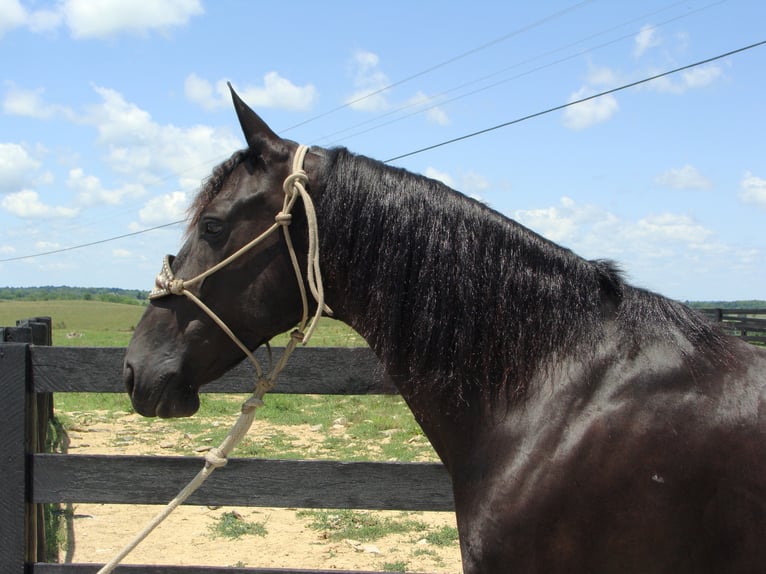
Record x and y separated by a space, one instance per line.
99 531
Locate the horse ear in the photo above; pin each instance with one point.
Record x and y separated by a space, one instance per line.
255 129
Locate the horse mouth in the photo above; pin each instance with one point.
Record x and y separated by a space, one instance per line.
168 396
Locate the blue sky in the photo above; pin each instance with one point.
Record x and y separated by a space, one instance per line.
113 111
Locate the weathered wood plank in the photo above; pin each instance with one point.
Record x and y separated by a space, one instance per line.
315 370
13 383
243 482
150 569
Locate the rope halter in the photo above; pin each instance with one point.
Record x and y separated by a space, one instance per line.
294 186
167 284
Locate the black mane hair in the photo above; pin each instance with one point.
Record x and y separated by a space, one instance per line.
455 293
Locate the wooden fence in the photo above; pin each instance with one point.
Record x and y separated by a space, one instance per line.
748 324
31 372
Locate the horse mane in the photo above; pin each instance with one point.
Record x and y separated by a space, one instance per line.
454 293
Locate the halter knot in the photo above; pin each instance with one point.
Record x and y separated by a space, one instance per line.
283 218
297 177
176 286
216 458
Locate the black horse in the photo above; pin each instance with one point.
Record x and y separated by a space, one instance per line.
587 425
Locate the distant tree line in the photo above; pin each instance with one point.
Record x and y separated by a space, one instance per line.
63 293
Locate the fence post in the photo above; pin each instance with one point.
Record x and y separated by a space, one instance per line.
14 381
39 415
23 429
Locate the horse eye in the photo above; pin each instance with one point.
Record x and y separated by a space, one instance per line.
212 227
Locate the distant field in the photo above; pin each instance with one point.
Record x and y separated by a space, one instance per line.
78 323
100 324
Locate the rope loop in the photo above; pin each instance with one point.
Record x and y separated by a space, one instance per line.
298 176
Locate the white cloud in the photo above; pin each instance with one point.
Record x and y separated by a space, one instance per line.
470 183
558 223
434 114
105 18
200 91
696 78
276 92
90 191
753 190
139 147
669 227
369 84
122 253
101 19
163 209
686 177
16 167
474 183
27 204
593 231
279 92
591 112
12 15
647 38
30 103
441 176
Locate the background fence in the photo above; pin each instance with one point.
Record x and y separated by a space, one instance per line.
749 324
31 373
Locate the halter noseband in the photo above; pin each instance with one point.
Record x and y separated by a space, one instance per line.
166 283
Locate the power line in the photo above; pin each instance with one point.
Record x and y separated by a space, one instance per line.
439 98
575 102
440 144
92 243
442 64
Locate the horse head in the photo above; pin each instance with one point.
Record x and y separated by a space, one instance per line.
236 271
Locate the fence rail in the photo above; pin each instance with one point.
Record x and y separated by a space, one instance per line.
748 324
30 374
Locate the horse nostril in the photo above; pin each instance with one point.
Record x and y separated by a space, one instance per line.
129 379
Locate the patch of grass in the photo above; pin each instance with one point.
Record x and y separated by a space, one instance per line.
444 536
232 525
400 566
359 525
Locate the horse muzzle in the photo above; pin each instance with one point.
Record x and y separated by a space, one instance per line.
164 396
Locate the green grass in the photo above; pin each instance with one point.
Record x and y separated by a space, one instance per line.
231 525
100 324
78 323
359 525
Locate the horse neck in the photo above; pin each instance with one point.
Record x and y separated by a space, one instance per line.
447 292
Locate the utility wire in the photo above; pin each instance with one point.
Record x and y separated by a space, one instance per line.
575 102
440 144
92 243
440 100
442 64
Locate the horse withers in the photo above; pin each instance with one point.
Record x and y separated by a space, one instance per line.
588 426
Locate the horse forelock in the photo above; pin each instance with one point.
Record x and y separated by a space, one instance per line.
212 186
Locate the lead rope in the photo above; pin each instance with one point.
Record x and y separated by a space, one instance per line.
166 284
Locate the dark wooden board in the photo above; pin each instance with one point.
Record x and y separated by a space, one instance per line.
242 482
314 370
